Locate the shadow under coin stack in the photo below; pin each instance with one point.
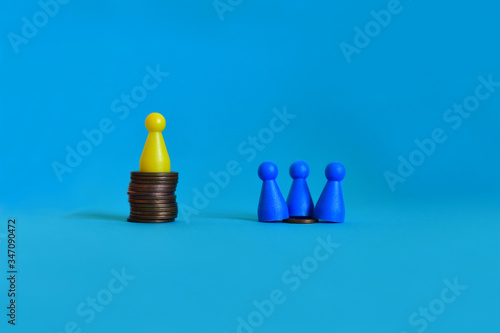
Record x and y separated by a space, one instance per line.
152 197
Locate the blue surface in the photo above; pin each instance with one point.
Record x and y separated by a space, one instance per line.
239 85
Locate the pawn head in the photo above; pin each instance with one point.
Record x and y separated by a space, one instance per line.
335 171
155 122
268 171
299 169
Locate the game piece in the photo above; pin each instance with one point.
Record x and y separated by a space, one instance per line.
299 199
272 205
152 190
330 205
154 155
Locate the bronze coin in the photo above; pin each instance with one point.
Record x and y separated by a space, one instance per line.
151 193
130 219
153 174
300 220
143 191
166 204
165 198
143 200
137 185
154 182
156 214
157 190
152 206
156 175
152 187
167 195
151 201
153 217
154 209
151 182
152 196
153 179
161 190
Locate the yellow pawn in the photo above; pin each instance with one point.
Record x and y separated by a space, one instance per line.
154 156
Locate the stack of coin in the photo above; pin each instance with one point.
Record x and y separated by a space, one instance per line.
152 196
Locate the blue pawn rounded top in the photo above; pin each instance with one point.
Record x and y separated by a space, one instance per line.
268 171
299 169
335 171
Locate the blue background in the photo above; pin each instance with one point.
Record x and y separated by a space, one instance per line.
226 76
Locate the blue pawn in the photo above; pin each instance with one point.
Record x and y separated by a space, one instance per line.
272 205
299 199
330 205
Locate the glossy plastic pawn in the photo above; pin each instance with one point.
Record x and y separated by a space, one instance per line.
330 205
154 156
272 205
299 199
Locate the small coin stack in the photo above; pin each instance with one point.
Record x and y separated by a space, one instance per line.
152 196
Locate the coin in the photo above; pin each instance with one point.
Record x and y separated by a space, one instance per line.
143 175
153 182
151 201
150 187
164 203
154 209
162 195
133 219
153 217
300 220
139 173
152 212
148 205
152 196
154 174
155 213
144 191
158 178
